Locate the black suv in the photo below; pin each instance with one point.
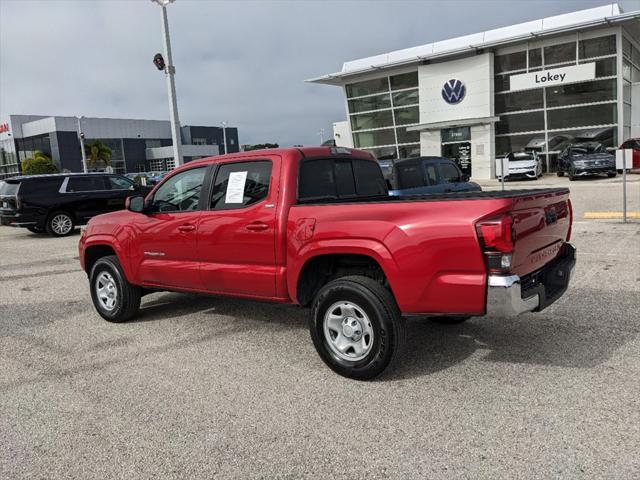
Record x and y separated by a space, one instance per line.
586 158
57 203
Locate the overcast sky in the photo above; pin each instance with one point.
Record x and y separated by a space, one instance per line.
240 61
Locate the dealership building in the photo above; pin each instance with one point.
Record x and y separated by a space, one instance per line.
136 145
536 86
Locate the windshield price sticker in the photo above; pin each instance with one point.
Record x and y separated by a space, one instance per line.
235 187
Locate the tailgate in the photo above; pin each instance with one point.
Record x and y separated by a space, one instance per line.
542 223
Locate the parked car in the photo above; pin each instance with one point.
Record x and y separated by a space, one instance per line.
633 144
56 203
587 158
422 175
316 227
520 165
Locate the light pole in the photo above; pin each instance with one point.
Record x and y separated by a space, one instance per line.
224 136
321 133
170 71
81 140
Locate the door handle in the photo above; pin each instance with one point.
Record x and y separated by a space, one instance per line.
257 226
186 228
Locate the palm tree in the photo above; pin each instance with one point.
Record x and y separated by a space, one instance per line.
98 154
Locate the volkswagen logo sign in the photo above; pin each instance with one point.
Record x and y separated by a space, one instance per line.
453 91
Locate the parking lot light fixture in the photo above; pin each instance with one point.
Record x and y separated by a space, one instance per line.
171 85
81 140
224 135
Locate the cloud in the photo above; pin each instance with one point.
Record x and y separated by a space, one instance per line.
240 61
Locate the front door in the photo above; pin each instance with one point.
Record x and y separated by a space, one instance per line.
165 240
236 235
460 152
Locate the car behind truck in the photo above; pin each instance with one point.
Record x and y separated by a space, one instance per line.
316 227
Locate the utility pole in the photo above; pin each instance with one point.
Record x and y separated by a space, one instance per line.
171 85
224 136
81 140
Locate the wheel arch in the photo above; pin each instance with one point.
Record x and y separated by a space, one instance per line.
321 264
102 246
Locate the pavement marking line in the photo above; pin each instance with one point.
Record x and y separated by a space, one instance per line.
610 215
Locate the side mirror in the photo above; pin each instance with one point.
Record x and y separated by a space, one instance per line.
135 204
465 177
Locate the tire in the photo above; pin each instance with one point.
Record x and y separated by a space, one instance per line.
121 300
363 309
449 320
36 229
560 174
612 174
60 224
571 176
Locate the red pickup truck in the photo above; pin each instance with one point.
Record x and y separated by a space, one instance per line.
316 227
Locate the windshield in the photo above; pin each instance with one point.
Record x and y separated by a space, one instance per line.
518 157
9 189
586 149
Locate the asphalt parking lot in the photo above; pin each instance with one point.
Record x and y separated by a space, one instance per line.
202 387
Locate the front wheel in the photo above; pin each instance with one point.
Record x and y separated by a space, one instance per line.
356 327
559 173
611 174
115 299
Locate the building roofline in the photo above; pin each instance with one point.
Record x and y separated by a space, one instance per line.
406 59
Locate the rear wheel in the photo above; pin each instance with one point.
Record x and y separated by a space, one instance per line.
115 299
60 224
611 174
559 173
356 327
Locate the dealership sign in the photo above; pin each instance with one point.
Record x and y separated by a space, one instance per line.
555 76
453 91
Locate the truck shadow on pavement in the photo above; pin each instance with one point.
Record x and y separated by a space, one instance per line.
562 336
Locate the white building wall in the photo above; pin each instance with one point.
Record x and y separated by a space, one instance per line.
342 134
477 75
475 72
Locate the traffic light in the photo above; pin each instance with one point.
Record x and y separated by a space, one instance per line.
158 61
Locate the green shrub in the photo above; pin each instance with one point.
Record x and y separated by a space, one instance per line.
38 164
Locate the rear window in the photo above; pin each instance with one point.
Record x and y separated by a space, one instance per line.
329 178
41 186
85 184
410 176
9 189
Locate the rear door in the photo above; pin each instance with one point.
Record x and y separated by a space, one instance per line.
236 234
86 195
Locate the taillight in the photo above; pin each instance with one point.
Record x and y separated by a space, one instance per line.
18 203
570 219
497 239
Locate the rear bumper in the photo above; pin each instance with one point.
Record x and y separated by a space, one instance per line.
510 295
18 220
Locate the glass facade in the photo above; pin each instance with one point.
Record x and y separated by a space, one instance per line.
380 110
546 119
630 74
9 164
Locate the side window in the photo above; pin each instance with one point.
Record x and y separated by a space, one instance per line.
369 178
180 193
449 173
86 184
432 174
238 185
120 183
